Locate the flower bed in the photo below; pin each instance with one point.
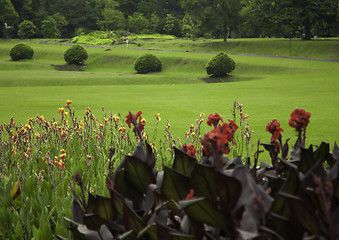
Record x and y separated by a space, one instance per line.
107 178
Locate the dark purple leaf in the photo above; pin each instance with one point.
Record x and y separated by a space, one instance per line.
77 212
174 185
302 214
132 221
183 163
149 232
204 182
138 174
201 210
150 158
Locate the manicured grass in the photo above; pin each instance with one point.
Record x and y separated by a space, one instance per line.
317 48
267 87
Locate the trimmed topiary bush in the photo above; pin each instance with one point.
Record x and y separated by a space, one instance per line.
21 51
76 55
147 63
220 65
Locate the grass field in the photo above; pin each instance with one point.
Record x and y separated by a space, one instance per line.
267 87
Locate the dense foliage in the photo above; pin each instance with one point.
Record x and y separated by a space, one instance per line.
209 18
21 51
220 65
76 55
26 29
147 63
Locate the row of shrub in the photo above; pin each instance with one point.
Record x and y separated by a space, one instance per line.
218 66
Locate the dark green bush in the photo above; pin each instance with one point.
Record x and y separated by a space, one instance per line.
21 51
76 55
147 63
220 65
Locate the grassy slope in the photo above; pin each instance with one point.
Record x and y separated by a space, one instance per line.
268 88
320 48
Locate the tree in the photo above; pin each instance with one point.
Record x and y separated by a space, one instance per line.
61 23
138 23
49 28
26 29
8 16
214 14
112 19
172 25
271 16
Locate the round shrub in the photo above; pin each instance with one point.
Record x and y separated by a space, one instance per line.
147 63
21 51
76 55
220 65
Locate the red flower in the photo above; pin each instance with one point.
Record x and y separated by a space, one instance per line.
218 139
299 119
214 119
233 125
190 195
189 149
274 128
132 118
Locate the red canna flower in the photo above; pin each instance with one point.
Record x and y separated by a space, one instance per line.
190 195
132 118
274 128
299 119
214 120
217 141
189 149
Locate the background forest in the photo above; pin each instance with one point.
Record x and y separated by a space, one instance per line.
182 18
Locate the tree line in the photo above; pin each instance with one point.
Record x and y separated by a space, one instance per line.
182 18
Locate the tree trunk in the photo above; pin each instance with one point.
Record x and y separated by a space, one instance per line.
307 29
5 33
225 32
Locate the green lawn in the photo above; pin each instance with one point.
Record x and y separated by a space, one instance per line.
267 87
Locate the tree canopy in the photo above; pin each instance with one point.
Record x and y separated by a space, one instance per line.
190 18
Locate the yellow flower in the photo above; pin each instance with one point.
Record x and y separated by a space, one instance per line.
193 133
61 110
115 118
63 156
27 126
68 102
37 135
55 124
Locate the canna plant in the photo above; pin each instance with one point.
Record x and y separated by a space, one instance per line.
294 197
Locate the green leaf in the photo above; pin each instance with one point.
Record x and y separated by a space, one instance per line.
174 185
201 210
183 162
138 174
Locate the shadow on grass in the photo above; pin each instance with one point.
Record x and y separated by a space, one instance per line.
69 67
229 78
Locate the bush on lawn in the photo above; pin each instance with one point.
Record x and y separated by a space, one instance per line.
220 65
147 63
21 51
76 55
